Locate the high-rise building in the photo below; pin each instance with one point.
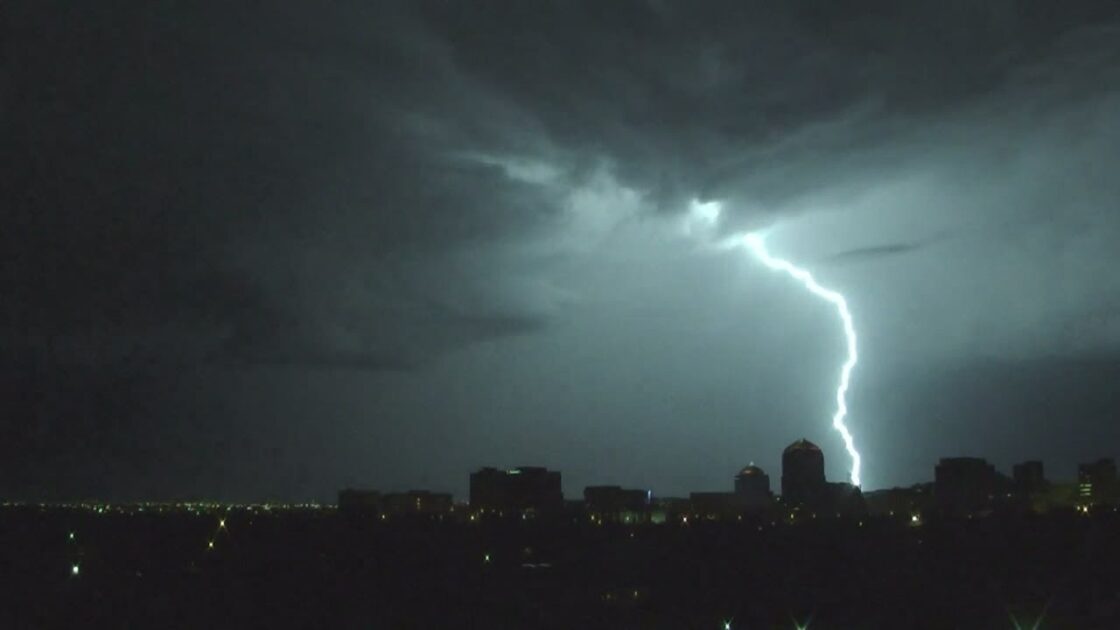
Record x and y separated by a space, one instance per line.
803 481
1028 478
1097 482
752 485
963 485
517 490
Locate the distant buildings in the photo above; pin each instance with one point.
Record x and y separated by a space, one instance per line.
359 503
613 504
843 499
369 503
416 502
803 482
526 490
716 505
1097 483
752 486
915 500
963 485
1028 478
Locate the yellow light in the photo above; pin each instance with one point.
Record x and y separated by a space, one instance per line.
222 523
210 544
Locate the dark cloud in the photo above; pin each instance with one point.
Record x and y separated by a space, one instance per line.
874 252
379 187
1061 410
886 250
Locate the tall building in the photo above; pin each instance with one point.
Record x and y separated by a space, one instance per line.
517 490
1028 478
752 486
803 481
963 485
1097 482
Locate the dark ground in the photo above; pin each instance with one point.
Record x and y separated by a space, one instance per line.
316 569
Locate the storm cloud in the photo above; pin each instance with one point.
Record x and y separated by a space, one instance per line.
469 214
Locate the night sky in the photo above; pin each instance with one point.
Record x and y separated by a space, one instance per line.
268 250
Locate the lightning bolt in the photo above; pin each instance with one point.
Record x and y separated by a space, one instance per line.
757 246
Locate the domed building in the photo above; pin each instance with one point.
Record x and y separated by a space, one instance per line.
752 486
803 481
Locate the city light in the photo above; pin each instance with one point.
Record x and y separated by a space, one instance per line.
75 570
726 625
70 536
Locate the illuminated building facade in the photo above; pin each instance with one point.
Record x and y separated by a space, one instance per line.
963 485
803 482
526 489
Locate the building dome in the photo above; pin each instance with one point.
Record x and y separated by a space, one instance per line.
751 470
801 445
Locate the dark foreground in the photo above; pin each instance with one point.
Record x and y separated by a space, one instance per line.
315 569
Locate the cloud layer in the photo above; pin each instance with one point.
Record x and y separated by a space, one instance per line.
378 187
